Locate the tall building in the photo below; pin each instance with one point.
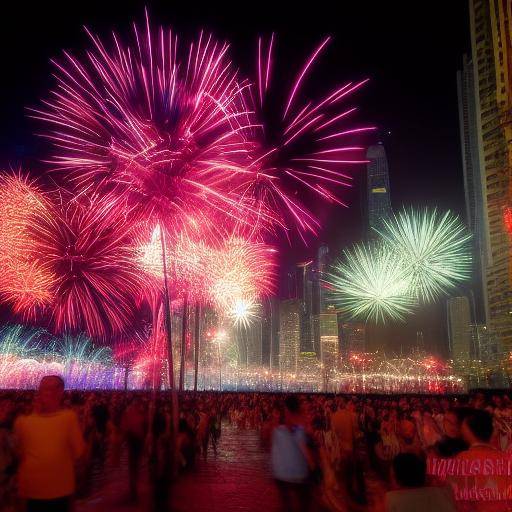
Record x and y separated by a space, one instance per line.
459 329
270 333
289 334
491 44
305 296
319 304
473 185
329 347
379 201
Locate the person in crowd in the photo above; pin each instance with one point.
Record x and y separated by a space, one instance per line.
134 429
292 461
411 493
49 442
487 486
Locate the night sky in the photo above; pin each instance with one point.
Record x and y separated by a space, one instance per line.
410 54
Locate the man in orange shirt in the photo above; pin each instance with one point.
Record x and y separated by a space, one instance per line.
49 443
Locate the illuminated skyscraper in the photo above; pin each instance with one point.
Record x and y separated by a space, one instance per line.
379 201
305 296
473 184
289 334
329 349
319 296
491 43
459 329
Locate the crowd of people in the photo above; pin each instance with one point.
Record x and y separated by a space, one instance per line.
326 452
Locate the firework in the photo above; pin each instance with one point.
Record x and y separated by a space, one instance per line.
24 283
303 147
161 123
243 312
239 272
372 284
434 248
86 244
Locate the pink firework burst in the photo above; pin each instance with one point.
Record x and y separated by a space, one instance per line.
304 147
162 124
25 283
86 243
240 271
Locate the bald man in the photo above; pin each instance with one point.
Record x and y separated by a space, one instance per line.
49 442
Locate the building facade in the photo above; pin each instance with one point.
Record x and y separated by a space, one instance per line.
289 334
473 186
379 200
459 330
329 347
491 44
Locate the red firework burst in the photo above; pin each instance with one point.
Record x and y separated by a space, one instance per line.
87 245
163 126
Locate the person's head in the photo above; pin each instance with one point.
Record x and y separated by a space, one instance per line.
477 427
291 408
50 393
409 470
451 424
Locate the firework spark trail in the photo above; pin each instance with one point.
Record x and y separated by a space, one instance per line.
435 248
372 283
303 150
24 283
241 271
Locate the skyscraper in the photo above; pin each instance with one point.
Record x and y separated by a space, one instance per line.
473 184
270 333
329 347
459 329
289 334
379 201
319 303
305 291
491 44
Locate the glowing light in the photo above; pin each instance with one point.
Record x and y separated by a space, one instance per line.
243 312
433 246
372 284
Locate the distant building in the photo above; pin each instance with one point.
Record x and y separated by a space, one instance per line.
473 185
290 311
491 43
329 347
270 333
379 200
305 296
459 329
352 337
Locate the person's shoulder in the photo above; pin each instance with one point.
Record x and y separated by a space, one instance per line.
22 419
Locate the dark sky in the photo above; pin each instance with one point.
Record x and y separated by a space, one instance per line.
410 51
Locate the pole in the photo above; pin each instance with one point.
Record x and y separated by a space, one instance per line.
220 365
184 328
196 343
168 331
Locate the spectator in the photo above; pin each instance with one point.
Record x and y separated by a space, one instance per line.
49 443
291 459
413 495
